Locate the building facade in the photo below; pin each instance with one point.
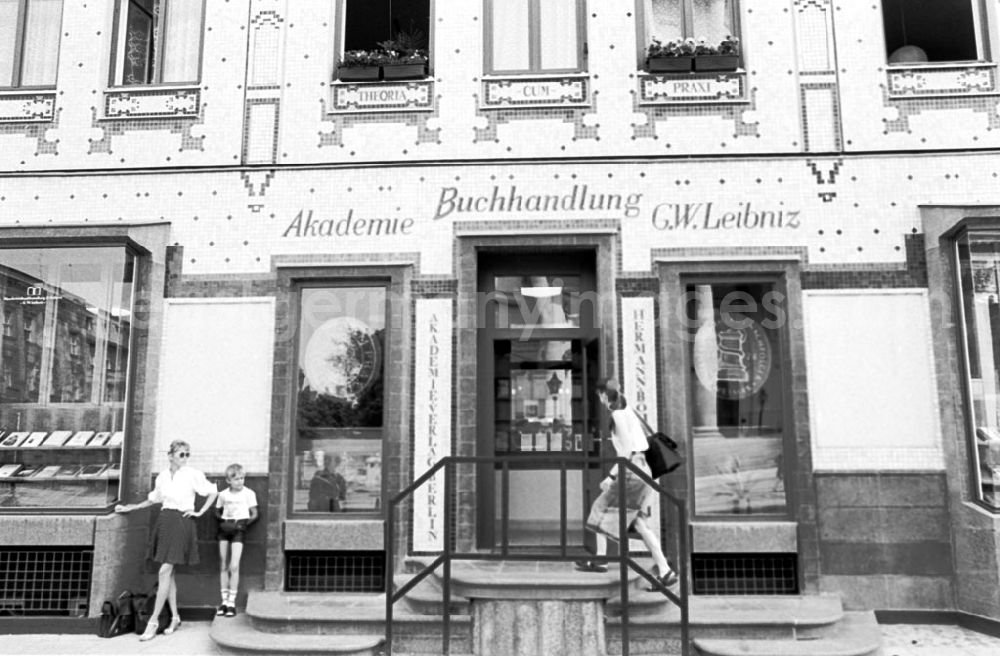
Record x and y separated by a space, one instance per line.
218 225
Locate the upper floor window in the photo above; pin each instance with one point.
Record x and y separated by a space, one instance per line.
158 41
942 31
29 42
534 36
398 26
674 20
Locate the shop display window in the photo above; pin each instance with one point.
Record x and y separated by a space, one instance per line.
737 391
979 286
339 420
941 31
534 36
64 362
158 42
29 42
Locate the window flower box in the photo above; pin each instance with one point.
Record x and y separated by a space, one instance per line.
404 71
360 66
358 73
716 62
681 64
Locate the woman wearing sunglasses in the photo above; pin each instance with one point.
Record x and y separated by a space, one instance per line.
174 539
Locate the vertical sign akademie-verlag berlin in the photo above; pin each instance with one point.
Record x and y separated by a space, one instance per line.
431 418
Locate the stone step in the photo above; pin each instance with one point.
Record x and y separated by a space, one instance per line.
725 618
354 614
427 597
857 635
235 635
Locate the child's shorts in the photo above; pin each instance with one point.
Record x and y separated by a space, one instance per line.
232 530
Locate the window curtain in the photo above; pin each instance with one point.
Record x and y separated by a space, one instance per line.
558 35
180 34
713 20
41 43
664 20
511 34
8 41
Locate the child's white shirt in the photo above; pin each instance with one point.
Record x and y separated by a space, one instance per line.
236 505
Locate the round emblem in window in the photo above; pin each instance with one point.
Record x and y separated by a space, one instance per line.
342 358
732 358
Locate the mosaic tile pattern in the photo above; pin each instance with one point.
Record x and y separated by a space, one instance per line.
384 96
672 116
22 108
578 118
144 103
33 131
691 88
526 91
110 129
937 81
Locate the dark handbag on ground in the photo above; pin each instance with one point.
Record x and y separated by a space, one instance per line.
116 616
142 610
661 456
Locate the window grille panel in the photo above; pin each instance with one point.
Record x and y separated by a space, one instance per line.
38 582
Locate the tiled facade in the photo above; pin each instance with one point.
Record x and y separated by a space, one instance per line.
815 162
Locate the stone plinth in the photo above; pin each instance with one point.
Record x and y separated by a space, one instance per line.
534 608
532 627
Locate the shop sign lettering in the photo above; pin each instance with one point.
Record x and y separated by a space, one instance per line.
432 418
305 224
709 216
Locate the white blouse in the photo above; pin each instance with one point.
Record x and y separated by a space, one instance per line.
628 435
176 491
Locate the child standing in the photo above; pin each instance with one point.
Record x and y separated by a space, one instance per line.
235 509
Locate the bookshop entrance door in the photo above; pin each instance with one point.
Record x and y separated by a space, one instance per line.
538 361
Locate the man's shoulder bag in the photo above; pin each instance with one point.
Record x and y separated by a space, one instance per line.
661 455
116 616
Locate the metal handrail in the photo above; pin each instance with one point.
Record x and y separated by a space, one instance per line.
449 554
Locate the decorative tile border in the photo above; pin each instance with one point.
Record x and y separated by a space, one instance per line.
28 107
519 91
410 96
923 81
148 103
692 88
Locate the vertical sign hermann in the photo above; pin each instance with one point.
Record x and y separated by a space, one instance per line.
639 374
431 418
639 356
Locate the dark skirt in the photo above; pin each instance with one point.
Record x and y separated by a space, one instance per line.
174 539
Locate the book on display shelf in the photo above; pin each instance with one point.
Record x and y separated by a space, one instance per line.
13 440
91 471
29 470
58 438
100 439
116 438
6 471
48 471
80 438
68 470
34 439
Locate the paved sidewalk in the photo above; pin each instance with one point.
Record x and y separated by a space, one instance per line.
192 639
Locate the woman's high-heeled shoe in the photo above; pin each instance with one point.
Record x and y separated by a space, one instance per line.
175 623
150 631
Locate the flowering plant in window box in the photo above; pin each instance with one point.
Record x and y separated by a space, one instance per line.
404 65
722 57
360 65
670 57
406 55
